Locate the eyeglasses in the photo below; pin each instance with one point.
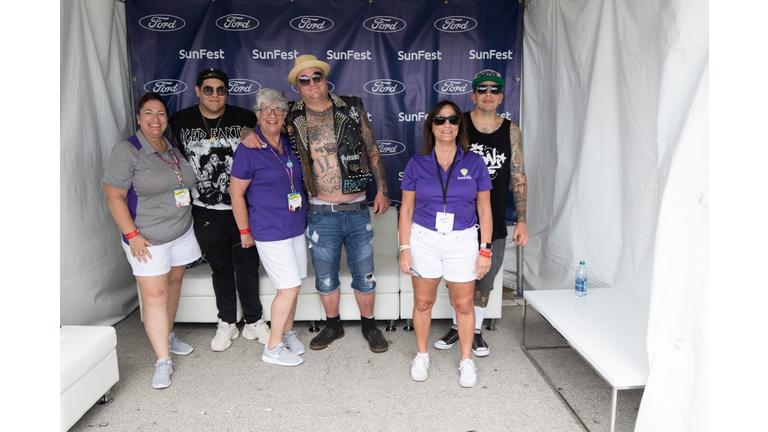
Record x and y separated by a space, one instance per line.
268 111
482 89
439 120
317 77
220 90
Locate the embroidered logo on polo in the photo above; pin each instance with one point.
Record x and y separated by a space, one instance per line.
162 23
165 86
464 175
243 86
493 159
237 22
312 23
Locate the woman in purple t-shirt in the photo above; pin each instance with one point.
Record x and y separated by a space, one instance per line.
273 219
446 189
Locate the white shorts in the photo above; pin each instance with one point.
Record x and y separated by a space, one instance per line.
179 252
285 261
450 255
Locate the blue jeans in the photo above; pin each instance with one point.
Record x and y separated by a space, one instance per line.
327 231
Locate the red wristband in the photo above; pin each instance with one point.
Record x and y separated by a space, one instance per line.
245 230
132 234
485 253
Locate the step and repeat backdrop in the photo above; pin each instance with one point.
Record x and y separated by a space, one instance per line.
400 56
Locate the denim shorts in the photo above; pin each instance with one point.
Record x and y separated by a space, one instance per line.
327 231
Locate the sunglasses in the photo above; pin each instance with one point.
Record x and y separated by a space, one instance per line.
268 111
220 90
317 77
482 89
439 120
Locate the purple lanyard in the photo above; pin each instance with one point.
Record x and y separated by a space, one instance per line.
288 169
174 166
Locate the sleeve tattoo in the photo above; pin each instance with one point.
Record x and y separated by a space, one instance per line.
375 161
517 171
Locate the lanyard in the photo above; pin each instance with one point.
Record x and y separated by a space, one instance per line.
174 165
440 176
288 167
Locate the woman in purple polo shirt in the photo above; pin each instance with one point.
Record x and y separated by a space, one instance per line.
446 189
274 219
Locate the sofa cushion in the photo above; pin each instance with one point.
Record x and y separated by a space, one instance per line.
82 348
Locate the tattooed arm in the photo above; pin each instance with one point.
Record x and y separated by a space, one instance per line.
376 162
519 186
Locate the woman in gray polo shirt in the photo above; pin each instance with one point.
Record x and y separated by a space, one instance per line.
146 183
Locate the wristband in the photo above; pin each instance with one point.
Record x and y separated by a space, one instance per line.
485 253
245 230
404 247
132 234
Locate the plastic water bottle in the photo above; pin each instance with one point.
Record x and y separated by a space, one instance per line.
581 280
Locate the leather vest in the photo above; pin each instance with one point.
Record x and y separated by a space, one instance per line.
350 153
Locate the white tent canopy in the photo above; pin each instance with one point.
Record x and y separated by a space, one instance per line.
614 121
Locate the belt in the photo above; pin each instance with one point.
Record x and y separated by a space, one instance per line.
362 205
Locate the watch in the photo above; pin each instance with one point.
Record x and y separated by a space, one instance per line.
485 245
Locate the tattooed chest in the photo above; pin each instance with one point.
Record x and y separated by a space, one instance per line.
325 165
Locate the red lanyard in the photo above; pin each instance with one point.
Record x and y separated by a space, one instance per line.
174 165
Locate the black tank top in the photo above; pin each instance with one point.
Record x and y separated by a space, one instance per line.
496 151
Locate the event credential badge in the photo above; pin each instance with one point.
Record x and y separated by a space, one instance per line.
294 201
444 222
182 196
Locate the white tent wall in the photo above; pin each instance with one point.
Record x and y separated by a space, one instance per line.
97 287
615 128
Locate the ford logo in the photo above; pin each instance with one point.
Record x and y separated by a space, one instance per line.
330 87
242 86
384 86
312 24
165 86
453 86
384 24
455 24
390 148
162 23
237 22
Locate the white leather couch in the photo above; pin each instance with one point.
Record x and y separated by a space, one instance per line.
88 369
198 302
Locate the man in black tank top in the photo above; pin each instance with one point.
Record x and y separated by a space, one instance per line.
498 141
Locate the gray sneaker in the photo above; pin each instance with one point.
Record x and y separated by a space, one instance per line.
225 334
293 343
281 355
178 347
258 330
163 370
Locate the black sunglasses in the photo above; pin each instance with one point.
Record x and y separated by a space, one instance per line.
484 89
317 77
439 120
220 90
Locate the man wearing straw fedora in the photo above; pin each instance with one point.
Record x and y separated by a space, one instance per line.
339 157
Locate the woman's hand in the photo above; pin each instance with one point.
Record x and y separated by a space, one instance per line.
139 249
247 240
483 265
406 262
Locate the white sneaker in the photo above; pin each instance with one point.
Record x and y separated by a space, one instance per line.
419 367
259 330
280 355
225 334
468 371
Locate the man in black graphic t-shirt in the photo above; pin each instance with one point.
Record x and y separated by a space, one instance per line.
208 134
498 141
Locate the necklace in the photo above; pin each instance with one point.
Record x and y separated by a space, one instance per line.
278 147
450 158
205 121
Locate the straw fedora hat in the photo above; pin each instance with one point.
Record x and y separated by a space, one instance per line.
306 61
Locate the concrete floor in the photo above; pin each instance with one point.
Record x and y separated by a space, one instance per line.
348 388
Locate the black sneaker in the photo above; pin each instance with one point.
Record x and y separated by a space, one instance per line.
449 340
325 337
376 341
479 347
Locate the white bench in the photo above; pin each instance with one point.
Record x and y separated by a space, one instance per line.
198 301
606 328
88 369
